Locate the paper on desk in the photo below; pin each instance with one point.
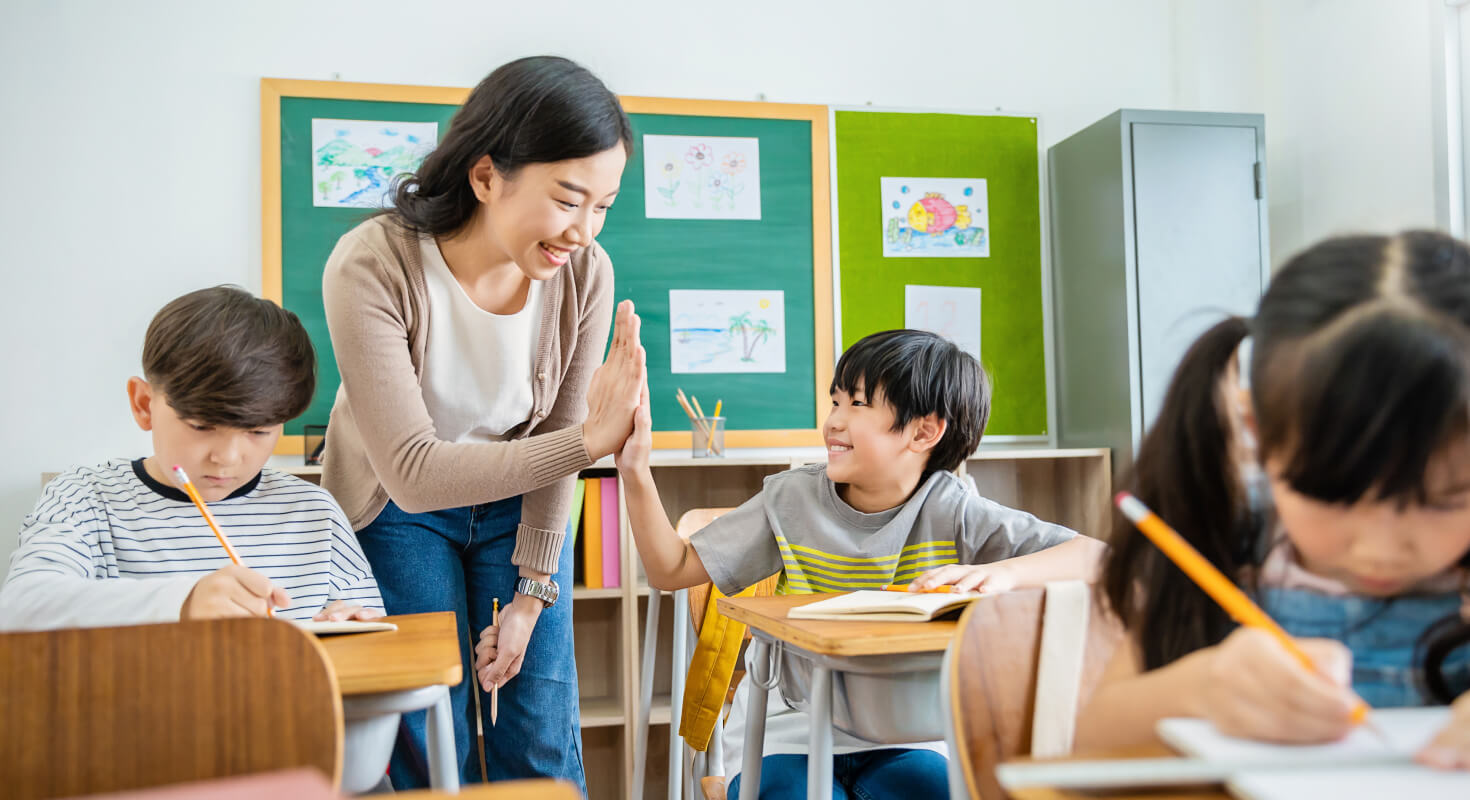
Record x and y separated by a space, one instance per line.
1407 731
329 627
1357 783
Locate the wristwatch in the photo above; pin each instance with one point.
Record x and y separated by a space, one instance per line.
546 591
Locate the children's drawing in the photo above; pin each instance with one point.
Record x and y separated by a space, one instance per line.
950 311
354 162
701 177
935 218
727 330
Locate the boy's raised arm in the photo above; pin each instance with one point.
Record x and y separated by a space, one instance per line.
670 562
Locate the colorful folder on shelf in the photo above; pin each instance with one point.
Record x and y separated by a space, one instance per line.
592 533
574 523
611 542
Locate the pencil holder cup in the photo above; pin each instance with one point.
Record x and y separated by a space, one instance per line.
314 439
709 437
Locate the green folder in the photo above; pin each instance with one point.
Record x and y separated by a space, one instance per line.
575 523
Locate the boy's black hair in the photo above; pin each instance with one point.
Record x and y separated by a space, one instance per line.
1359 380
918 373
224 357
533 110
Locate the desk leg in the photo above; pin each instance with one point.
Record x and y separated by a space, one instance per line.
755 725
819 759
443 762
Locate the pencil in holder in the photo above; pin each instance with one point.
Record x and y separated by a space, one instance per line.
314 440
709 436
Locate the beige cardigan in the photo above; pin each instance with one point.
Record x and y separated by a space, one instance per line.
381 441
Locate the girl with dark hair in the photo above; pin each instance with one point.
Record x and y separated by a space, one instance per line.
1320 452
467 321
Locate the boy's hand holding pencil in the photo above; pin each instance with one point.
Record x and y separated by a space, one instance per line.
233 591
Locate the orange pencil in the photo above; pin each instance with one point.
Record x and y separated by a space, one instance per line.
193 493
1216 585
495 690
904 587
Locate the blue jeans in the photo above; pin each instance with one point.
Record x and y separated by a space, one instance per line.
458 560
864 775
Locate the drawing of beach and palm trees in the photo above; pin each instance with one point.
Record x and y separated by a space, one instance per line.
727 330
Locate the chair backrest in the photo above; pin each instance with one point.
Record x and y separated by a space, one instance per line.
691 522
108 709
1003 642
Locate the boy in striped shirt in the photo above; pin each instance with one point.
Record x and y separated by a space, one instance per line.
120 543
907 408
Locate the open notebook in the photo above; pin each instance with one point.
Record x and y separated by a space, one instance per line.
343 626
872 605
1360 766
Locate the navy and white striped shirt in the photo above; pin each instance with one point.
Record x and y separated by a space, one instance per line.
109 545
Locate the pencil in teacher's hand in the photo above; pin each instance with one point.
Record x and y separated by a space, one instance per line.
495 690
1240 608
188 487
904 587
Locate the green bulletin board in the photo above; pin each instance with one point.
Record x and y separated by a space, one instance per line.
1004 151
787 249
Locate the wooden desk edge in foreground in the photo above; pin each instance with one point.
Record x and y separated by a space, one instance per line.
424 651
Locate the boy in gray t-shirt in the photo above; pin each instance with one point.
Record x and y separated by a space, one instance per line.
907 408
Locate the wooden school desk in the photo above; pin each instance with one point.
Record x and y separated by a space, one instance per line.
839 653
308 784
384 674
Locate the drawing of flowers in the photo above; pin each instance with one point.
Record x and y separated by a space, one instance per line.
700 156
670 171
732 164
723 188
751 333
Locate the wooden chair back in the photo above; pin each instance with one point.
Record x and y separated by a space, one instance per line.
993 669
96 710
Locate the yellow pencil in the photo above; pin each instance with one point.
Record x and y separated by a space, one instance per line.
1216 585
495 690
904 587
718 403
193 494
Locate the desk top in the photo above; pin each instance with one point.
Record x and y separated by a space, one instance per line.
424 651
832 638
1154 793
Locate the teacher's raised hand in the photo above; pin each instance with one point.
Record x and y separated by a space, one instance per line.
613 396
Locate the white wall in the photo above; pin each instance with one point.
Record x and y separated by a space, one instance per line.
133 131
1350 103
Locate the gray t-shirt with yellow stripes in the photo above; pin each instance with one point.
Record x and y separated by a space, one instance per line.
799 526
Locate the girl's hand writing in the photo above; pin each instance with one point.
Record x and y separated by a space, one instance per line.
1252 688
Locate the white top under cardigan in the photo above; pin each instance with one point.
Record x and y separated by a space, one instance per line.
477 365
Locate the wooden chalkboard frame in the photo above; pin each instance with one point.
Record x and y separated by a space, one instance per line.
273 90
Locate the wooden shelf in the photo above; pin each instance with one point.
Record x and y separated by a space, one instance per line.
602 712
583 593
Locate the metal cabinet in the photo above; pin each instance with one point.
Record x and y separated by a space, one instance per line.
1158 230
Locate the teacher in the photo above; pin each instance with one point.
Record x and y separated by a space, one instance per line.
467 321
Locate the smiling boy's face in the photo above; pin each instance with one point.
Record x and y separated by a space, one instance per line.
862 446
218 459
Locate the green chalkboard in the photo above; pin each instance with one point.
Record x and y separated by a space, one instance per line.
787 249
309 232
1003 151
